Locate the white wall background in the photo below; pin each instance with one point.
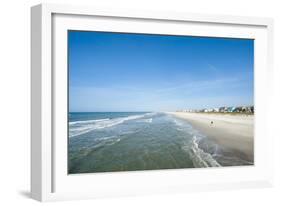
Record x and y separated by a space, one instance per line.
15 101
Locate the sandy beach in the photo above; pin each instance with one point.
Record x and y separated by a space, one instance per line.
234 132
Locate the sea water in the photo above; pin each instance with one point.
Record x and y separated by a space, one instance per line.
130 141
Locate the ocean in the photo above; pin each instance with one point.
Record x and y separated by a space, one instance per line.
131 141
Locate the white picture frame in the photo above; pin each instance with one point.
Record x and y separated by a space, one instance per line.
49 179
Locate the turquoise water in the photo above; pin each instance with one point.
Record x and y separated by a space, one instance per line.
130 141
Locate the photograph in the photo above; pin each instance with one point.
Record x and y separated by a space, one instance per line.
139 102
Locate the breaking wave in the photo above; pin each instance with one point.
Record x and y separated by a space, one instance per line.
199 157
107 140
81 127
146 120
87 121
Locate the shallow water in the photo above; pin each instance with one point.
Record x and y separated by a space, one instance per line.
129 141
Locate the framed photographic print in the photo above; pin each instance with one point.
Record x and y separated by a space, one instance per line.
134 102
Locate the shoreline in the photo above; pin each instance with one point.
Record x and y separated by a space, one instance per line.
234 132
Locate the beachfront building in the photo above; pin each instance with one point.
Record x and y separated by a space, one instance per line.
231 109
216 109
223 109
239 109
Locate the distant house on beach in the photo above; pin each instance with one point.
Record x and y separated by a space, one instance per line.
238 109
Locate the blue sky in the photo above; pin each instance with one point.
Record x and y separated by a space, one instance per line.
141 72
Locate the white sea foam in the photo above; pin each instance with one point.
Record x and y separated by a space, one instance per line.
112 142
105 138
183 126
106 141
146 120
87 121
81 127
200 158
178 123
